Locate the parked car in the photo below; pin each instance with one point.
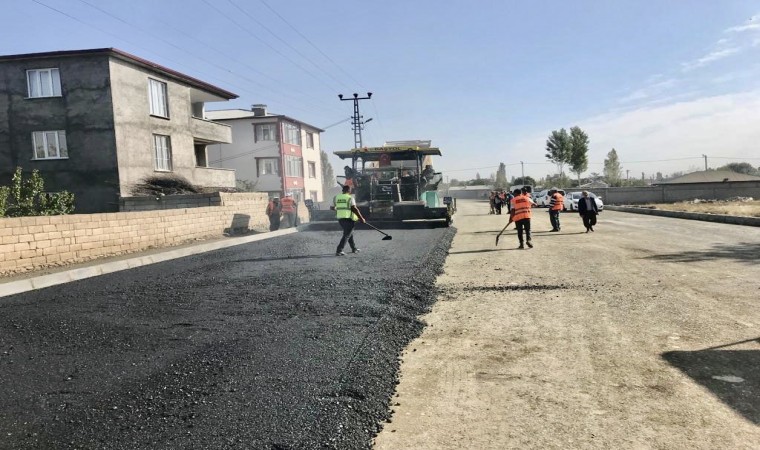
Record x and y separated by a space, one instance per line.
540 198
572 198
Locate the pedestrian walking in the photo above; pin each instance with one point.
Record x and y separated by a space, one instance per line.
347 214
288 208
519 212
555 207
492 202
273 212
588 210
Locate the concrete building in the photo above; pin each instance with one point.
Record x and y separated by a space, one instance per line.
95 122
274 153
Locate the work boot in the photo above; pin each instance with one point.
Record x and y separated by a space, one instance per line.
521 246
356 250
340 254
530 244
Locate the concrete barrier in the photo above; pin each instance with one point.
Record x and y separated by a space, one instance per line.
720 218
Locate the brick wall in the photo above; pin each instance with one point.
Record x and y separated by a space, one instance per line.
29 243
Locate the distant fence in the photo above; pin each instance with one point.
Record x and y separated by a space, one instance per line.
669 193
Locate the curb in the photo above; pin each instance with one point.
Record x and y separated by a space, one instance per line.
43 281
719 218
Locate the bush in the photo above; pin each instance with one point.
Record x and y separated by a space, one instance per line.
27 197
169 184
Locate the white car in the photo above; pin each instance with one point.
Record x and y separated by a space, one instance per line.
541 198
572 198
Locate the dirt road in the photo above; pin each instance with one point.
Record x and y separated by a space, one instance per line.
640 335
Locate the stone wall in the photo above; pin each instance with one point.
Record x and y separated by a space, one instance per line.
30 243
670 193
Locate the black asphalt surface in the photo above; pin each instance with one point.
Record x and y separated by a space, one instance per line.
276 344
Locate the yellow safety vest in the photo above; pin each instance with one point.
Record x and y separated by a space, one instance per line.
343 207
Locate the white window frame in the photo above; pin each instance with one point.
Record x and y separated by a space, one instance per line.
293 166
309 140
162 153
158 98
34 81
258 132
269 166
54 140
291 134
312 169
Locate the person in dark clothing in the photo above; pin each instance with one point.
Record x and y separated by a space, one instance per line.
273 212
588 210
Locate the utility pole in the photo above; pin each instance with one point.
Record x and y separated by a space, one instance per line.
627 171
522 165
705 157
357 124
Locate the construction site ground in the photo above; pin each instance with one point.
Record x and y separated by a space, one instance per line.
643 334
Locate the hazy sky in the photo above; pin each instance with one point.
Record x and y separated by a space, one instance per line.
487 81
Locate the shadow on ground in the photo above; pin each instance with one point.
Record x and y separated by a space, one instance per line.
731 375
742 252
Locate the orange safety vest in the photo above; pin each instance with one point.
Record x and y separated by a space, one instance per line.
287 205
558 202
521 206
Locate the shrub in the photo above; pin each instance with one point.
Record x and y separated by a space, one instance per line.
169 184
27 197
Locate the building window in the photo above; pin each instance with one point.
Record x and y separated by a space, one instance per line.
158 102
309 140
50 145
43 83
292 134
294 166
265 132
162 152
312 169
269 166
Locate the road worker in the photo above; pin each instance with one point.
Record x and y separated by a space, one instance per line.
519 212
288 208
273 212
347 214
555 207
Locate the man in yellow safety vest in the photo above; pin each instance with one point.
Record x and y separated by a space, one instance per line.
347 214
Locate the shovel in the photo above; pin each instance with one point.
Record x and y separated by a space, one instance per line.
387 237
502 231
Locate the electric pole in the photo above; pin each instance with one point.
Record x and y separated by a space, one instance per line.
357 124
705 157
522 165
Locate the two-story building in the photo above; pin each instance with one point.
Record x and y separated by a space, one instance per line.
96 122
273 153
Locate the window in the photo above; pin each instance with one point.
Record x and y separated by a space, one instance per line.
50 145
309 140
162 152
293 166
312 169
292 134
265 132
269 166
158 102
43 83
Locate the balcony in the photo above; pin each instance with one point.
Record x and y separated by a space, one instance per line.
210 132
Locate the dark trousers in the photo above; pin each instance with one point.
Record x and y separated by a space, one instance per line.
274 222
348 234
554 218
589 220
523 226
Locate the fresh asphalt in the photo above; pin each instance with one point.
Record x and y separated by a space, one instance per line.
273 344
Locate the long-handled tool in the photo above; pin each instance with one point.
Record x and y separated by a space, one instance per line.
387 237
502 231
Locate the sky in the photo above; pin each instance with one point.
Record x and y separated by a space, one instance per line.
664 83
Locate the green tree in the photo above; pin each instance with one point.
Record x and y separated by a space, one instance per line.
27 197
501 177
524 180
578 158
328 176
558 149
612 169
743 167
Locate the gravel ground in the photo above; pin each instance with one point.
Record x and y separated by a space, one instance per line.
276 344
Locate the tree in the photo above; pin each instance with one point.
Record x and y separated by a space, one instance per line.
27 197
578 157
745 168
558 149
524 180
328 176
612 170
501 177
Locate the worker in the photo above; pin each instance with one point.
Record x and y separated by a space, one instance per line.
555 207
347 214
519 213
273 212
288 208
427 173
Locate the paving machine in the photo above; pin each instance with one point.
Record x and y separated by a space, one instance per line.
393 183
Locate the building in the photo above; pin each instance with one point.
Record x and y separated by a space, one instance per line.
273 153
96 122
